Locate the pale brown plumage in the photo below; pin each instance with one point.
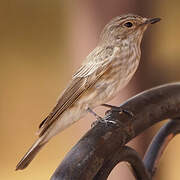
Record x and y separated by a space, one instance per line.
80 83
106 70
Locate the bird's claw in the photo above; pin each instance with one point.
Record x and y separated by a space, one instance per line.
129 113
101 120
120 110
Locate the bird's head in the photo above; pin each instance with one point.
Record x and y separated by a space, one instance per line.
129 28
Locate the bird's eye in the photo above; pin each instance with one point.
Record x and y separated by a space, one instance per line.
128 24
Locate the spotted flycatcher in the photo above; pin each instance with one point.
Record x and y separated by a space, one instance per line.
105 71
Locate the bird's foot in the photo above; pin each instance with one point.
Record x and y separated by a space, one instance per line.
99 119
94 114
125 123
120 110
104 121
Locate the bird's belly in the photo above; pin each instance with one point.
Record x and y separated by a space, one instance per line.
107 88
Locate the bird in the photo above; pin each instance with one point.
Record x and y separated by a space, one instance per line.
103 73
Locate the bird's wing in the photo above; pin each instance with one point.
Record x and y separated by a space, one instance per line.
79 84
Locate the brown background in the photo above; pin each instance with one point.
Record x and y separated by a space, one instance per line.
42 43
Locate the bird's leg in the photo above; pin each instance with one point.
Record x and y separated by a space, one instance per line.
99 119
94 114
119 109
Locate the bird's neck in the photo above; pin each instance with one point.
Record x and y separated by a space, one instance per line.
124 44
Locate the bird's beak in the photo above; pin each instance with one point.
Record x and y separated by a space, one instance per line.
152 20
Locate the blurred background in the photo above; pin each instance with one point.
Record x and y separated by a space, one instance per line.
42 43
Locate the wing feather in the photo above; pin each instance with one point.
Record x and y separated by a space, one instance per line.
79 84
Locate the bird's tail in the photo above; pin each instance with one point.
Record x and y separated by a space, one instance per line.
28 157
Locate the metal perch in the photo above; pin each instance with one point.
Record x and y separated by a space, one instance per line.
159 143
103 146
